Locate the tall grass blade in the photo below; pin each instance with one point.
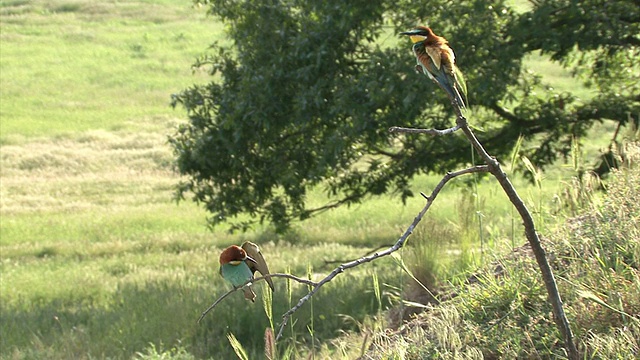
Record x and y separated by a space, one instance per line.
575 153
376 290
586 294
531 168
267 304
516 151
405 269
237 347
310 327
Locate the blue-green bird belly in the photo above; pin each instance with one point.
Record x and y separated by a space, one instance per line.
236 274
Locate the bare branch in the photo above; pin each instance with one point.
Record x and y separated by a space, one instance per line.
261 278
530 231
328 262
204 313
506 114
397 129
494 168
288 276
534 240
332 205
399 243
376 150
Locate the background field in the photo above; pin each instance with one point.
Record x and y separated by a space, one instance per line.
98 260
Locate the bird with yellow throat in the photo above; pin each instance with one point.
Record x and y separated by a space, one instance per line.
435 59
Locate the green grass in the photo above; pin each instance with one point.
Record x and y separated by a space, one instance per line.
86 65
504 314
98 261
89 229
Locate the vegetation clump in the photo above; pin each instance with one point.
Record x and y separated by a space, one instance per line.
504 314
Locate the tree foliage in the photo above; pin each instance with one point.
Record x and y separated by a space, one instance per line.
305 93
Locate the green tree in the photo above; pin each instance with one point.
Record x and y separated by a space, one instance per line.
304 95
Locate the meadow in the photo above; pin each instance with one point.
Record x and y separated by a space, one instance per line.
97 258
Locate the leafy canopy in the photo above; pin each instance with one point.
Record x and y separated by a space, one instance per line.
305 93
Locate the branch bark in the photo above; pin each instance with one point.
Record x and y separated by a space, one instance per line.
223 296
315 286
529 226
530 232
399 243
492 166
397 129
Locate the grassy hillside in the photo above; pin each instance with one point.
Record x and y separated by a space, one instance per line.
98 261
502 312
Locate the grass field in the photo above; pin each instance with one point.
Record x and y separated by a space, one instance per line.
98 261
88 66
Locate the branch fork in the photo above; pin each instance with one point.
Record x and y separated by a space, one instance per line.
351 264
529 226
493 167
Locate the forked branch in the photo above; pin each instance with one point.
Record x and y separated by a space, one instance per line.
493 167
315 286
532 236
399 243
529 227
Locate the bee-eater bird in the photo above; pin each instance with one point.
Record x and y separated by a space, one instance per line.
436 59
253 251
237 267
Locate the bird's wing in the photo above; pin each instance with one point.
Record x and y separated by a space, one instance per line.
260 265
434 54
437 63
424 60
249 294
453 75
448 52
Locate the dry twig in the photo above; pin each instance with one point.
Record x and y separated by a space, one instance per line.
529 226
223 296
399 243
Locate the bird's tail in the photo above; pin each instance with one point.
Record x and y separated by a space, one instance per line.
249 294
460 87
455 94
460 98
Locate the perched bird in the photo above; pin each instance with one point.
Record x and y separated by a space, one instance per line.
253 251
237 266
436 59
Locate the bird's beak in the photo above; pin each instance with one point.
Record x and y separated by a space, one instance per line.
249 258
414 37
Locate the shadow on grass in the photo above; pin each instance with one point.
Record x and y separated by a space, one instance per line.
163 314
